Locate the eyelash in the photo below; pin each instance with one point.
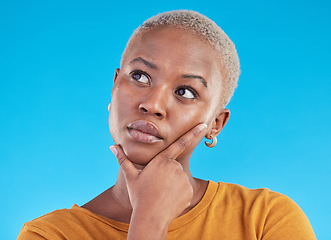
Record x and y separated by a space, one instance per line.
186 87
139 72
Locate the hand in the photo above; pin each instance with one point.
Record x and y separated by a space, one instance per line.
161 191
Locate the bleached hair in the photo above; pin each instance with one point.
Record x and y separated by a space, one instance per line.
208 30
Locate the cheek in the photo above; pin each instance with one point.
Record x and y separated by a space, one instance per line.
186 120
192 117
182 122
204 115
121 105
124 97
113 124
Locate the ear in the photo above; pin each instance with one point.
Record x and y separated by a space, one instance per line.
117 72
220 121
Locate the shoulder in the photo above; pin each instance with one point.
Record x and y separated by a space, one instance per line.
60 224
262 200
60 216
243 195
74 223
48 226
273 213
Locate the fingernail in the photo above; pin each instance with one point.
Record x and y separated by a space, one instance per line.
114 150
202 127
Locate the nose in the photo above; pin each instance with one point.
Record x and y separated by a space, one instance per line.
155 103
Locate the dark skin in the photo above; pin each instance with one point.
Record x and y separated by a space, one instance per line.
170 79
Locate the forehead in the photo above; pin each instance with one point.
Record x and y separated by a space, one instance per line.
175 49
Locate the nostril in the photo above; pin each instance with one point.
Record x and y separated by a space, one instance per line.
143 109
151 110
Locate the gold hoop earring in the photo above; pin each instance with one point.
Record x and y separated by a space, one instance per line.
213 142
108 107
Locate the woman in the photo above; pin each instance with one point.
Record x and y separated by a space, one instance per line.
178 72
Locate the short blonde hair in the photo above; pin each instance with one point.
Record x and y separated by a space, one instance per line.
208 30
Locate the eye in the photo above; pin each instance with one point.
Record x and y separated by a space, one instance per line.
186 92
140 76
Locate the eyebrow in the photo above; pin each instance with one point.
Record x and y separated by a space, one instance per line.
153 66
197 77
147 63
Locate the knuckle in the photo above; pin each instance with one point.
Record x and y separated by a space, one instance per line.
173 165
120 159
178 168
177 165
182 143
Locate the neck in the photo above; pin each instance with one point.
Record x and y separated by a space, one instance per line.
115 203
119 193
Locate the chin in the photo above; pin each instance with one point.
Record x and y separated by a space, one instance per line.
140 155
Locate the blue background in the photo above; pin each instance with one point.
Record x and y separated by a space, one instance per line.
57 60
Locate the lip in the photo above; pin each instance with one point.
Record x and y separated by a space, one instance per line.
144 131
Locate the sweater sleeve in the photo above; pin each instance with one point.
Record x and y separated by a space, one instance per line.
286 220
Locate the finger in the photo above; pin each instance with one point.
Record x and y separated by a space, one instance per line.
129 170
176 148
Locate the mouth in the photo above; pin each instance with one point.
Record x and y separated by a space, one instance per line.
145 132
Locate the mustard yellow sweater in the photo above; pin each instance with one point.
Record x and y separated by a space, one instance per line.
226 211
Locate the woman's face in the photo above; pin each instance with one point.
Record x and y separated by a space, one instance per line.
169 82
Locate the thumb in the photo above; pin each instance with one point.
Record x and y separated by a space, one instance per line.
129 170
